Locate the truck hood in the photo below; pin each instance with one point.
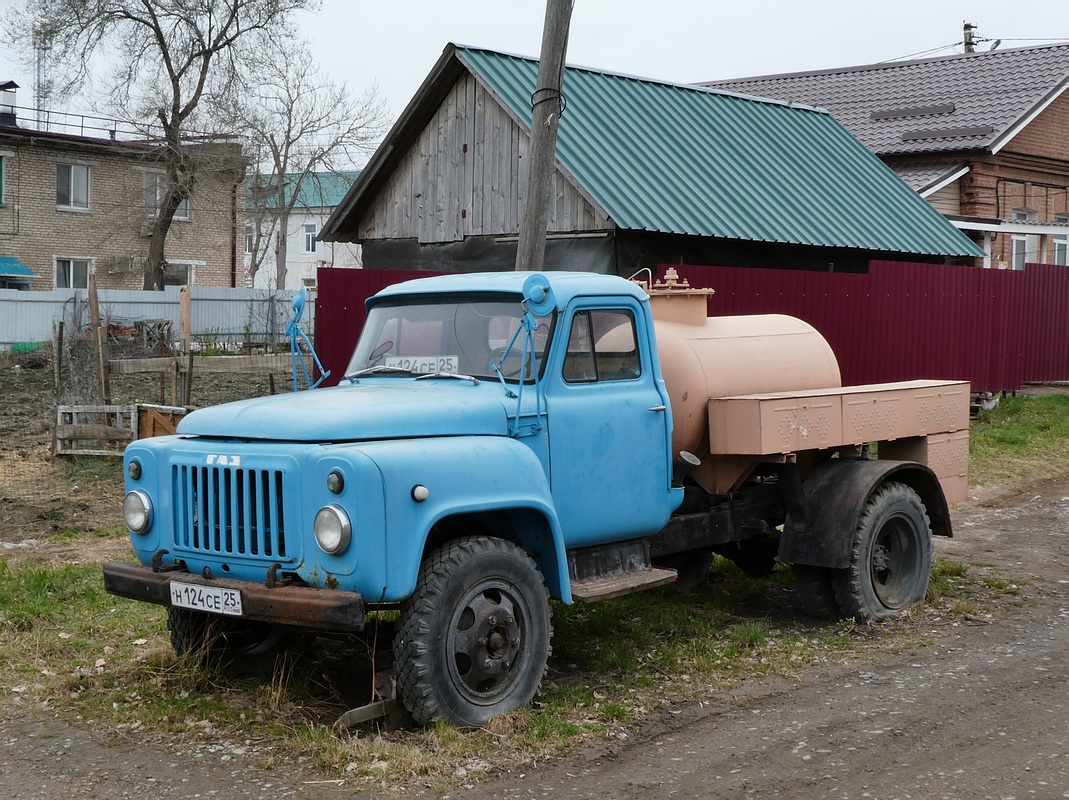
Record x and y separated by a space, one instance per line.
380 409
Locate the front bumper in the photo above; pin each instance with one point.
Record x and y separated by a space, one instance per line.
327 610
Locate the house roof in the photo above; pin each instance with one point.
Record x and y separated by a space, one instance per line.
975 101
11 267
671 158
317 190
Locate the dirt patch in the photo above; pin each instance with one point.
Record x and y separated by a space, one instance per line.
41 496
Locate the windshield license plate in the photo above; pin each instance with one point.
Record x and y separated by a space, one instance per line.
424 364
212 599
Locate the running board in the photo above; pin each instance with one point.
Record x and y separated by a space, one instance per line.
612 570
605 588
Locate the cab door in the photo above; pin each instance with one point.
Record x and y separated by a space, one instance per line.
609 427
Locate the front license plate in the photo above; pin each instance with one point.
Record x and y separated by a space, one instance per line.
212 599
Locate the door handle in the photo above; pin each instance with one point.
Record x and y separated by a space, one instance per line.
658 408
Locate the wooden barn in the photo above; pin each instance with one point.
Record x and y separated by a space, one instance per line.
648 172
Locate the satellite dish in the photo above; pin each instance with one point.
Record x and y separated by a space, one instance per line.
539 295
995 44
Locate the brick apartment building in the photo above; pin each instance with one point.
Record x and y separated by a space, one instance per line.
72 205
984 136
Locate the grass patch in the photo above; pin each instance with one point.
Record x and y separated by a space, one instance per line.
67 646
1022 437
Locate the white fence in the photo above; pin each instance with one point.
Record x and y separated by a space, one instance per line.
223 316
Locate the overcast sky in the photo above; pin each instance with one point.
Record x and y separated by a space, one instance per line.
393 44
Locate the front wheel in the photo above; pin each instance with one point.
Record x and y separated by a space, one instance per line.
473 639
891 560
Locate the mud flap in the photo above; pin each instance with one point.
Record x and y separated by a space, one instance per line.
836 493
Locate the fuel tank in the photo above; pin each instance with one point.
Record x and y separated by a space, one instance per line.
704 357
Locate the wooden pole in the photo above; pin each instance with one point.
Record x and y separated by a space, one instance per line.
542 155
180 387
99 338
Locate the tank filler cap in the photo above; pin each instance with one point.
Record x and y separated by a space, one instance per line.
672 284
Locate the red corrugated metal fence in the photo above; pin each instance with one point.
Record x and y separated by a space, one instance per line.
995 328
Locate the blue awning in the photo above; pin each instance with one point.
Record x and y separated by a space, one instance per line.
11 267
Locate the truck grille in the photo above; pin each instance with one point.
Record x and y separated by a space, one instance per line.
229 511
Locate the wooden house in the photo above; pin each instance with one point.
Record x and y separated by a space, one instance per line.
983 136
648 172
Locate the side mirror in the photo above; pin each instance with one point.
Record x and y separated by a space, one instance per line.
538 295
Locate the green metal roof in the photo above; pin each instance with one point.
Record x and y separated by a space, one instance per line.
682 159
318 189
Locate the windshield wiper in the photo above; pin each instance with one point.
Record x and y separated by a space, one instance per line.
456 375
376 370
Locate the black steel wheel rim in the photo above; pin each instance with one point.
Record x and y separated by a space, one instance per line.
894 561
485 642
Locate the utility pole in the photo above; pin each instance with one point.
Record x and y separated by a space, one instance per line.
542 154
970 42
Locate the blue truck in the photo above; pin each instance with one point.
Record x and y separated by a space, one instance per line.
501 440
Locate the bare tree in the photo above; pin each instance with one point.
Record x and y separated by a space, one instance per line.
298 123
166 57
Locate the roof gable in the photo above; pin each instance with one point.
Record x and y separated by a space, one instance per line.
975 101
681 159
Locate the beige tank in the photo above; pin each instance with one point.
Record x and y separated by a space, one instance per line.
704 357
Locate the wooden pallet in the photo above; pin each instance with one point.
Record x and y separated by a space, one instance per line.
100 430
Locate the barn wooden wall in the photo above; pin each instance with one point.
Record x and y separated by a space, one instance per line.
465 177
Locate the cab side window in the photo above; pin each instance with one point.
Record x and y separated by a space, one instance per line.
602 346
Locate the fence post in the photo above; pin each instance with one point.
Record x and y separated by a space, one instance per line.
183 377
100 341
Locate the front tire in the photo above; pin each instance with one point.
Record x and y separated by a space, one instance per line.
473 640
891 560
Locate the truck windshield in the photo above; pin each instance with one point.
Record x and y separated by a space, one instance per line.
422 336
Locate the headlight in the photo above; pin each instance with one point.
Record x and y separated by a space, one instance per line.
333 529
134 470
137 511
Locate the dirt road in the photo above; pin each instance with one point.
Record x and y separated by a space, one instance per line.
983 712
980 712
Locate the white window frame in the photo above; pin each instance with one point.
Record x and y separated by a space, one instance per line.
1061 242
310 231
69 262
190 267
156 184
73 205
250 238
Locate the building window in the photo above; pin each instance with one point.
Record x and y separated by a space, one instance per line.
250 238
177 274
72 273
1019 252
1061 241
156 190
309 238
1 180
72 186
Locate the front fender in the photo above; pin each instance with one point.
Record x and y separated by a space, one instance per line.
462 475
836 494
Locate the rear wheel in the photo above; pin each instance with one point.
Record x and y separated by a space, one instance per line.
891 560
473 639
692 568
